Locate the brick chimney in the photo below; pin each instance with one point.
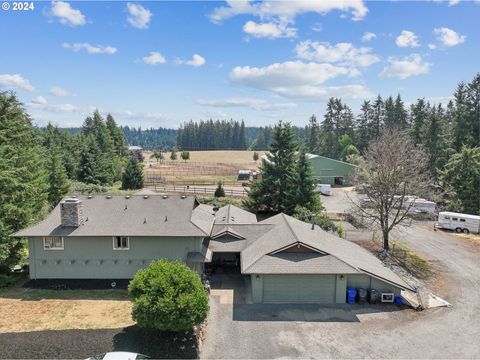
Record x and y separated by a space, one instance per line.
71 212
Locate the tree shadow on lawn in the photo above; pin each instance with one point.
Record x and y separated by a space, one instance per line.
81 344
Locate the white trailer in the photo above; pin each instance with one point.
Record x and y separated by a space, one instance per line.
324 189
459 222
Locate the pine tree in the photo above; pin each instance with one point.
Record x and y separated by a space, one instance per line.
255 156
390 116
185 155
419 113
401 116
132 178
270 191
219 191
378 118
301 189
23 185
117 136
434 141
313 131
58 184
329 136
364 121
89 163
173 154
462 177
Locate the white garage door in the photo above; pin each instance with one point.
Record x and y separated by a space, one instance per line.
299 289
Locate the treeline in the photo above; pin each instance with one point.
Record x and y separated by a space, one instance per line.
212 135
440 130
150 139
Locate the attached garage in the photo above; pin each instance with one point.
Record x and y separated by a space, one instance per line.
299 289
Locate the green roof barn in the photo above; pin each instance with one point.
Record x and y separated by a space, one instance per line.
331 171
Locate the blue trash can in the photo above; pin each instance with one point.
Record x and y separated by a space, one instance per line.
351 295
398 300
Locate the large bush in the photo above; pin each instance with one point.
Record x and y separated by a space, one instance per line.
168 296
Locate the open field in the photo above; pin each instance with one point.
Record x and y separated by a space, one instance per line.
203 168
37 310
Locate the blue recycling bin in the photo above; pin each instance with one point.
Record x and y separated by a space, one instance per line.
351 295
398 300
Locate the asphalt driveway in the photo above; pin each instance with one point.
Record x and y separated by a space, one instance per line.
243 330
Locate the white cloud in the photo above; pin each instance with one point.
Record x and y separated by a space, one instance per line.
368 36
66 14
296 79
58 91
40 100
317 27
42 104
342 53
449 37
196 61
269 30
407 39
139 17
432 46
287 10
15 81
255 104
91 49
154 58
404 68
450 2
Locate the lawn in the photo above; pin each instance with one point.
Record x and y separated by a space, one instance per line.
39 309
219 156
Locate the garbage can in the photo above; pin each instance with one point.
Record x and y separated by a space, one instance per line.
373 296
398 300
361 296
351 295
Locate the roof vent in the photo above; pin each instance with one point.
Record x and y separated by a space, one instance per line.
127 197
166 218
109 196
89 196
183 196
145 196
144 220
126 207
164 196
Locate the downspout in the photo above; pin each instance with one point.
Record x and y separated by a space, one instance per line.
34 258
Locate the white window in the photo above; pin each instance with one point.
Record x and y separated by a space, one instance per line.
53 243
121 243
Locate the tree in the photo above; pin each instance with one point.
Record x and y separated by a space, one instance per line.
329 138
23 185
301 189
168 296
173 154
313 134
219 191
117 137
418 114
270 191
255 156
393 170
89 163
347 147
158 155
364 121
132 177
58 183
461 177
185 155
318 218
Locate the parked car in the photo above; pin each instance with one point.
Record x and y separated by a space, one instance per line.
119 355
459 222
324 189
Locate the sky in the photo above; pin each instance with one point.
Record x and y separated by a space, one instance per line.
158 64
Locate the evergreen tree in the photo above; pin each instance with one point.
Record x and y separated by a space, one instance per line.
255 156
378 118
270 191
301 189
329 137
219 191
58 184
364 121
185 155
89 163
117 136
158 155
132 178
313 131
418 114
23 186
461 177
434 141
401 115
390 115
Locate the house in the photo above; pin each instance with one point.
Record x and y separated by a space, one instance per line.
285 260
136 151
331 171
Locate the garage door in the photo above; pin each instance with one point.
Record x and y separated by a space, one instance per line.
299 289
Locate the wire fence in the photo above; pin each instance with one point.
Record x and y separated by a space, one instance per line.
155 179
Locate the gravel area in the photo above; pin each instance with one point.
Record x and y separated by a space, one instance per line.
81 344
77 284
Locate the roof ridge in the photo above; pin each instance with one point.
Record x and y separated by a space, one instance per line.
290 227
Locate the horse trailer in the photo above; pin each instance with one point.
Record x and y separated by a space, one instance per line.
459 222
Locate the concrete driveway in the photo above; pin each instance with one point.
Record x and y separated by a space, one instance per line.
264 331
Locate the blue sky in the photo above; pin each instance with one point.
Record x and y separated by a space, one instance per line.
157 64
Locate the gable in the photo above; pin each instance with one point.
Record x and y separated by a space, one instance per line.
298 248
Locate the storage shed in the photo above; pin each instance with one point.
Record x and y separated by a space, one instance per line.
331 171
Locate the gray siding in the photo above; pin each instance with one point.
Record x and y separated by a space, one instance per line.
367 282
94 257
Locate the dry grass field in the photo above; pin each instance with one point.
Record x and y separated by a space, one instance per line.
203 167
26 310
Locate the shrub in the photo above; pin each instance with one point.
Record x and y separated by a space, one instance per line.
168 296
318 218
219 191
7 280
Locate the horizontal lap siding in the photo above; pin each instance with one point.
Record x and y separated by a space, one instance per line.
299 289
94 258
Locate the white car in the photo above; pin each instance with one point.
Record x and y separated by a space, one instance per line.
119 355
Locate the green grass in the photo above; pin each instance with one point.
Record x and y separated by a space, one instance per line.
40 294
220 201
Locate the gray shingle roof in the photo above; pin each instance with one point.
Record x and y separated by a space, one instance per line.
230 214
134 216
289 231
249 232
